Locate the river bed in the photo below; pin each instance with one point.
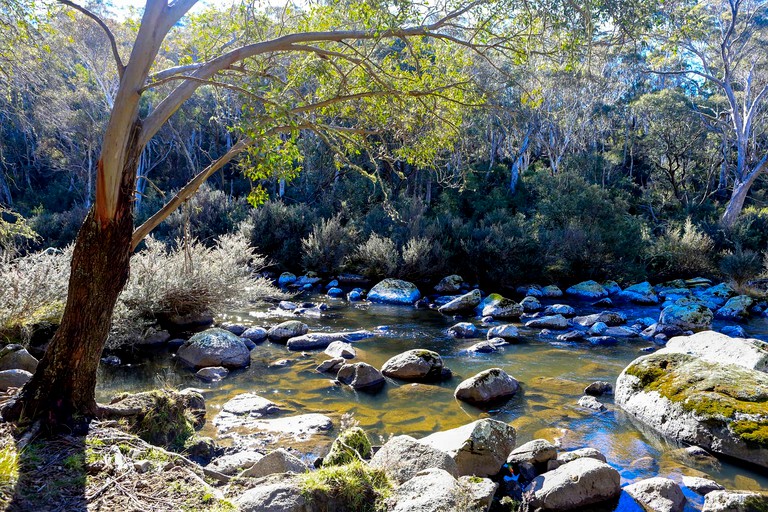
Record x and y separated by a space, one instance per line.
552 377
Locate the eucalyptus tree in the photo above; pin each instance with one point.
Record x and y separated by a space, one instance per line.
722 45
356 75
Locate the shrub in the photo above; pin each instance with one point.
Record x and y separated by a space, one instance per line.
34 290
188 280
422 259
352 444
683 251
741 265
326 247
376 258
354 486
58 229
15 233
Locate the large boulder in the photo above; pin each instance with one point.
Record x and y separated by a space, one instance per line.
558 322
414 365
718 348
657 495
278 493
449 284
234 463
587 290
538 451
341 349
584 481
551 292
737 308
486 387
402 457
16 357
394 291
735 501
687 315
715 296
214 347
281 333
479 448
531 304
360 376
462 304
641 293
318 340
720 407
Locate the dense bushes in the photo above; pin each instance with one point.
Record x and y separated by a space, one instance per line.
186 279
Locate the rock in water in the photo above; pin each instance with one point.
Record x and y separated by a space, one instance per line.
579 483
588 290
701 486
486 387
281 333
462 304
479 448
414 365
214 347
687 316
720 407
499 307
360 376
737 308
735 501
212 373
721 349
640 294
657 495
508 332
394 291
402 457
449 284
558 322
463 330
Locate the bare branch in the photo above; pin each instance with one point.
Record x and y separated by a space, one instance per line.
105 28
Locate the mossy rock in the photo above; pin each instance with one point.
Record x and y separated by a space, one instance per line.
723 408
351 445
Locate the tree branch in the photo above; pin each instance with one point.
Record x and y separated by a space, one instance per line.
107 31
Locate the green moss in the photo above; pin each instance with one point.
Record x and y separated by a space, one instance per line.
351 445
9 466
756 503
75 462
354 486
712 392
753 432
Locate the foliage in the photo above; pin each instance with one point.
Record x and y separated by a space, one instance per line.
276 229
14 232
353 486
683 251
326 247
376 258
741 265
351 444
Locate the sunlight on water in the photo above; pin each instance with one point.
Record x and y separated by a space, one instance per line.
552 378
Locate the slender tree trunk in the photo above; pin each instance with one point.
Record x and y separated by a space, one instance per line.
62 390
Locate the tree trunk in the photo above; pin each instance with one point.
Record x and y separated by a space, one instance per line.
735 204
62 390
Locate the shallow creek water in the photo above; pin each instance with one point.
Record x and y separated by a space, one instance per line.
552 376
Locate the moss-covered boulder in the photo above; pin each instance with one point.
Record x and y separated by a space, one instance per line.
720 407
737 308
721 349
351 445
588 290
414 365
394 291
502 308
282 332
641 293
687 315
449 284
487 387
715 296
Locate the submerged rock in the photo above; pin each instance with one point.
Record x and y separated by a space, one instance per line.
487 387
214 347
721 407
318 340
488 346
414 365
212 374
578 483
479 448
394 291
